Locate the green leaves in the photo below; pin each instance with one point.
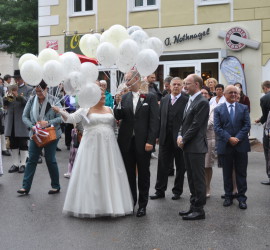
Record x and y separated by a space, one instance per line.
19 26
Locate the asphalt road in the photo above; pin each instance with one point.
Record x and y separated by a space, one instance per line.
36 221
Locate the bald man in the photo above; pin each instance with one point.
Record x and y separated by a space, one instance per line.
232 125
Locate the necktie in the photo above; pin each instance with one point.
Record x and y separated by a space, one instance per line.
187 106
231 112
174 98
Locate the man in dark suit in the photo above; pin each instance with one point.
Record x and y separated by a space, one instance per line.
232 125
192 139
171 115
265 106
137 135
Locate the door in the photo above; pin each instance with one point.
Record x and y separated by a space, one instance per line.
182 69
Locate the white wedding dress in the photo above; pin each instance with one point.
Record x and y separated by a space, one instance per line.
98 185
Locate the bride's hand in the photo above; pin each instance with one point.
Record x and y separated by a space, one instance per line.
56 109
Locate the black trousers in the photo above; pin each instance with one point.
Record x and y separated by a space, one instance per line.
195 166
68 128
167 152
141 160
18 142
266 141
239 161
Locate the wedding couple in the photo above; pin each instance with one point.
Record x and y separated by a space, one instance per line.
103 181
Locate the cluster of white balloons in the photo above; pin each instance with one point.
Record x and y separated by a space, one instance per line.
78 79
124 48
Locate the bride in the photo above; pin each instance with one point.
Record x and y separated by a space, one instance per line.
98 184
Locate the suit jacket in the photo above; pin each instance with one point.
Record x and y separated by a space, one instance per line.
265 106
144 123
50 116
15 111
180 105
193 129
225 128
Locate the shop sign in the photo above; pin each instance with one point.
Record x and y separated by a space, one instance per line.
52 44
176 39
72 43
237 39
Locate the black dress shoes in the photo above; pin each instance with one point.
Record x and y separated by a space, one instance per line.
13 169
141 212
5 153
194 216
21 169
183 213
54 191
227 202
176 197
171 173
242 205
157 196
265 182
22 191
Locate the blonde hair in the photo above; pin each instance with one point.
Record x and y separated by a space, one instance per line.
211 79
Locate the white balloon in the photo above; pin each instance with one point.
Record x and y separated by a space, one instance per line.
128 52
155 44
88 45
140 37
117 34
46 55
68 87
71 62
147 62
31 72
26 57
89 71
89 95
106 54
132 29
97 35
76 80
53 73
105 36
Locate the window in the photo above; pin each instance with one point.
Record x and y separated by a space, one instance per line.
212 2
142 5
82 7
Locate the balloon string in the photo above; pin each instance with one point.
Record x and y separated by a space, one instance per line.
60 100
57 92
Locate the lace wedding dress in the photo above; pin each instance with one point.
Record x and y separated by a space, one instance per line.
98 185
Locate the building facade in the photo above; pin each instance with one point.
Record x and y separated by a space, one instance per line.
197 34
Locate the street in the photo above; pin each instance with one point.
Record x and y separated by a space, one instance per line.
36 221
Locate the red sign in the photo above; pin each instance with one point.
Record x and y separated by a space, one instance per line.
52 44
235 33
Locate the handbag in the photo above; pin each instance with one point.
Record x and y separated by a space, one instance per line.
45 136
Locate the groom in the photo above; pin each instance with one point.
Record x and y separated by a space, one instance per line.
137 135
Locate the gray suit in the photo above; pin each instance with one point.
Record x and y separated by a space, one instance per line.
15 111
193 131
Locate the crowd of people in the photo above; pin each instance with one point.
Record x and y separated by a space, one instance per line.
194 123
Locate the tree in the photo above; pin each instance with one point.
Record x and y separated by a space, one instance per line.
19 26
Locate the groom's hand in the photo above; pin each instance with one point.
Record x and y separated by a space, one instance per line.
148 147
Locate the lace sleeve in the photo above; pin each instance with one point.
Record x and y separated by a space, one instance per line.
75 117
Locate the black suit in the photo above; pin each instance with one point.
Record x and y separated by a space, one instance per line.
265 106
135 131
193 132
171 117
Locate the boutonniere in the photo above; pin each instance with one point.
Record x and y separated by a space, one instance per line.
142 97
